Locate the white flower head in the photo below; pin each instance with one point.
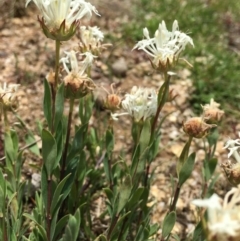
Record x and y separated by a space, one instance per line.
223 215
54 12
91 35
165 46
77 67
141 103
233 146
77 82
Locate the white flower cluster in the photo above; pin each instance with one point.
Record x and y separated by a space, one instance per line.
141 104
77 68
56 11
223 215
91 35
233 146
165 45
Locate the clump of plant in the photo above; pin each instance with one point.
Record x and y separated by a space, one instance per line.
78 165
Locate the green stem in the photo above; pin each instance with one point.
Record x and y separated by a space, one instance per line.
55 85
113 224
64 158
161 103
49 202
175 199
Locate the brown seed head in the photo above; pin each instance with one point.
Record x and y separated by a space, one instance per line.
196 127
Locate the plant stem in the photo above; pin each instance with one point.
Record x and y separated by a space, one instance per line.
55 85
175 199
161 103
64 158
113 224
49 201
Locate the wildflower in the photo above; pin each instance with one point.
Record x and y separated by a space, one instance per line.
112 101
223 221
196 127
60 18
8 97
231 168
141 104
77 83
165 46
211 112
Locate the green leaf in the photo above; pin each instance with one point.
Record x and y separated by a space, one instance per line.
49 152
209 168
184 155
47 103
41 229
135 197
78 142
57 193
59 105
29 138
109 141
60 226
101 238
145 136
198 232
168 223
124 193
108 193
187 168
85 108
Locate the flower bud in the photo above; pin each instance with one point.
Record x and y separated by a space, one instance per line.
196 127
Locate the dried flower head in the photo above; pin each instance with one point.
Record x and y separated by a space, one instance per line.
196 127
223 223
77 83
211 113
141 104
60 18
8 97
112 100
165 47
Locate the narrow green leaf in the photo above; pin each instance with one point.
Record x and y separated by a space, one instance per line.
184 155
29 138
209 168
101 238
47 103
60 226
59 105
78 142
57 193
168 223
40 227
109 141
136 197
49 151
124 193
145 136
108 193
186 169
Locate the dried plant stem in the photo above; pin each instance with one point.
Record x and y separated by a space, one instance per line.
64 158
